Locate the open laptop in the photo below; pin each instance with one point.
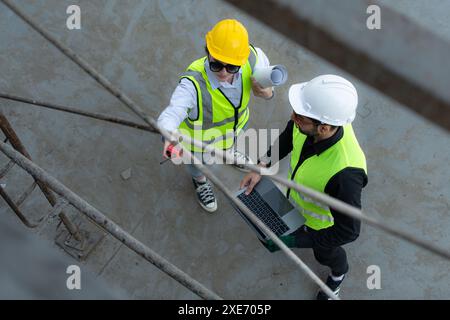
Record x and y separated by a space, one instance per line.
269 204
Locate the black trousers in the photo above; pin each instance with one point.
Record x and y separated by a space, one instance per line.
335 257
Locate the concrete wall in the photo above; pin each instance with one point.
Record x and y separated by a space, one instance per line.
142 46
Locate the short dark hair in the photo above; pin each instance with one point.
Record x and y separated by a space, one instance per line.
317 123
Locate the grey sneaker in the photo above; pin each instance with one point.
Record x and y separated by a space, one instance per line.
205 195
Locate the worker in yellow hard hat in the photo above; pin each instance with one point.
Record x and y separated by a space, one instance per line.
212 97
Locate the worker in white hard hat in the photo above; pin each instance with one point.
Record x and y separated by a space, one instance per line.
325 156
212 97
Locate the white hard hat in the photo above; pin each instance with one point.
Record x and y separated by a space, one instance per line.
328 98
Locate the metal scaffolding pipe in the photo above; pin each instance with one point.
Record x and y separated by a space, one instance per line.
82 64
290 254
337 204
152 122
108 225
79 112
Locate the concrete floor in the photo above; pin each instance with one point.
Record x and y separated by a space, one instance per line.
142 46
33 269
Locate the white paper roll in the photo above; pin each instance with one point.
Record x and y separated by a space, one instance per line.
271 76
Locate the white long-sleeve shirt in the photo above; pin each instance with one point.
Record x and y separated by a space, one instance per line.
184 99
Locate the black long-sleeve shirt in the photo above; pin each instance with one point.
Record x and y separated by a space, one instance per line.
346 186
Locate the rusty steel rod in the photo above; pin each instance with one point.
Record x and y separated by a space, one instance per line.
107 224
16 209
8 131
5 169
26 194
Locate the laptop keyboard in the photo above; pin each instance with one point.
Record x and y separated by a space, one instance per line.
264 212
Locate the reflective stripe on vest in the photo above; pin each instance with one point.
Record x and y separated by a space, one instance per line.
316 171
218 121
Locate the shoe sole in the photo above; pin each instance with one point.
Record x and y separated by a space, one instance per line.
210 210
335 292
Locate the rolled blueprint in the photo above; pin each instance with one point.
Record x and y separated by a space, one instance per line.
271 76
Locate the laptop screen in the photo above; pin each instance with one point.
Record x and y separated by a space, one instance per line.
277 201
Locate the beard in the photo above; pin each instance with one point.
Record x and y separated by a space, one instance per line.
310 133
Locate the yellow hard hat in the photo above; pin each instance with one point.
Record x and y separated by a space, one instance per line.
228 42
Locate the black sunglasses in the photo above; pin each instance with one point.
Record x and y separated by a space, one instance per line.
216 66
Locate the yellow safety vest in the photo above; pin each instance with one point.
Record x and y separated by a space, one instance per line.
316 171
218 120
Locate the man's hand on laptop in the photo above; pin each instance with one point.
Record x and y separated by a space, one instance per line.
251 180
